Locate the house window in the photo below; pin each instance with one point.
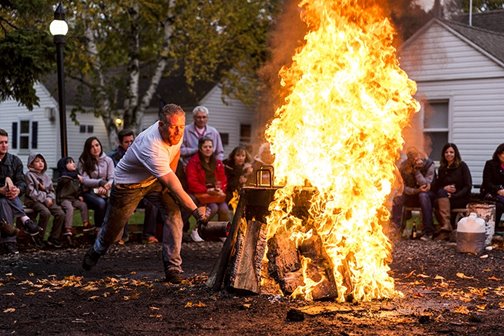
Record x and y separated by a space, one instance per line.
225 138
436 131
86 129
245 133
25 135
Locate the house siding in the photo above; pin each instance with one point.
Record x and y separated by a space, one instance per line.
226 116
473 83
440 54
48 131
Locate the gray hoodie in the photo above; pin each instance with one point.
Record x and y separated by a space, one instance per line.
39 185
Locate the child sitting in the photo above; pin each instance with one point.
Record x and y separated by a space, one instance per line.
68 195
41 198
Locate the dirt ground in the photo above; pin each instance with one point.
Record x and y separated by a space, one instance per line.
47 293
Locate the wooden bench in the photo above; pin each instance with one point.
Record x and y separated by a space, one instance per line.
458 212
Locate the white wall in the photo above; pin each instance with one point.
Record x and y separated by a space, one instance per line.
445 67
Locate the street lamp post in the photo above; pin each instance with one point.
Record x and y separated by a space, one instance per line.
58 29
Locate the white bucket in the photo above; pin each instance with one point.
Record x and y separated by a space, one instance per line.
471 234
486 211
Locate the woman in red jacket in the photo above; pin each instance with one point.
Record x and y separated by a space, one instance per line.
206 180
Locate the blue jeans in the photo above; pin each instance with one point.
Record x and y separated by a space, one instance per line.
98 204
423 200
10 208
123 202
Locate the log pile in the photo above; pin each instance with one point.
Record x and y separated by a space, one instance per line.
250 263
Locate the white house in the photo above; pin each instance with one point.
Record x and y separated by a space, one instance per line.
38 130
459 71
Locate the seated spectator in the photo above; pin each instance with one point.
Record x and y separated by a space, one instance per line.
238 167
97 171
418 173
492 187
69 195
126 138
452 187
263 160
197 130
206 182
41 197
12 182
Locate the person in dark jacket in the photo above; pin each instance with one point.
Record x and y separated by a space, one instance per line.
69 195
12 182
492 187
238 167
418 174
453 187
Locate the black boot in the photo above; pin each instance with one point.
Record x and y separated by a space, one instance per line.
90 259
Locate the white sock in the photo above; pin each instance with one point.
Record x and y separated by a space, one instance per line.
24 219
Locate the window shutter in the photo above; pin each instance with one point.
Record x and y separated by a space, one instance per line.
14 135
34 135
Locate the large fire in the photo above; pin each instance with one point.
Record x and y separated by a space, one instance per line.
339 132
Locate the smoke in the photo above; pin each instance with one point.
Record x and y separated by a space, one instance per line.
285 38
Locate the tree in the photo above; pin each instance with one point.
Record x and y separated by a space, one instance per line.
116 46
26 52
478 6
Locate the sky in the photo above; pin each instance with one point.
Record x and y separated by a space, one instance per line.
426 4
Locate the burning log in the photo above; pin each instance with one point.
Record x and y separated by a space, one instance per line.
249 262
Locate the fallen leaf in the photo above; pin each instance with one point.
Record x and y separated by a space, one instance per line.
9 310
438 277
423 276
501 305
481 306
9 294
199 304
463 276
461 310
494 278
156 316
154 308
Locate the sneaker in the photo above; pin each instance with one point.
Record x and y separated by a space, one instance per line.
426 238
8 229
32 227
195 236
37 240
53 242
86 227
68 232
90 259
174 277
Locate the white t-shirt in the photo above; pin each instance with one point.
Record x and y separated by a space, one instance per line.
148 158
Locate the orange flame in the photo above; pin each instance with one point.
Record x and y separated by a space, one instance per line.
339 132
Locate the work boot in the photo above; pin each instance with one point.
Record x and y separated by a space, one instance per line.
8 229
443 210
174 277
90 259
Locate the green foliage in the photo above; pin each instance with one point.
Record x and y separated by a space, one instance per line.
26 49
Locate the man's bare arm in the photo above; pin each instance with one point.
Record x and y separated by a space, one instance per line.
172 182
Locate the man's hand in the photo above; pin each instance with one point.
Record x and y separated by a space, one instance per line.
49 202
199 214
12 192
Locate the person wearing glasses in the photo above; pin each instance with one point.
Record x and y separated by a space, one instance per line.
196 131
